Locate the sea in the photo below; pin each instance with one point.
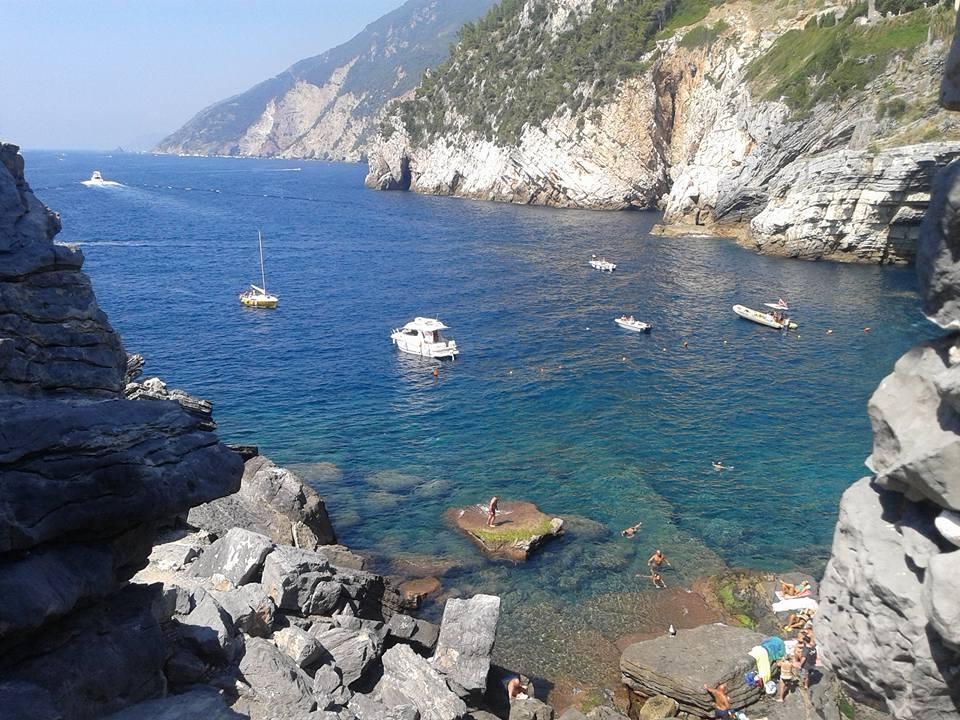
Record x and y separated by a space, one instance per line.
549 401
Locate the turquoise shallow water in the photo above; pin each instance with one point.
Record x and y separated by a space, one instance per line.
550 401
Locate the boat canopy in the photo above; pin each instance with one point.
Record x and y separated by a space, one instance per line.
425 325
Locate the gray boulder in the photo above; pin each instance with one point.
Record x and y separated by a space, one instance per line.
328 688
301 580
870 591
938 250
922 464
941 597
300 646
201 703
271 501
572 714
467 633
26 701
238 556
409 679
530 709
659 707
419 634
353 651
281 688
207 629
250 607
175 553
679 666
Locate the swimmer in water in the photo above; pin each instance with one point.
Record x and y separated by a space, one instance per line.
630 531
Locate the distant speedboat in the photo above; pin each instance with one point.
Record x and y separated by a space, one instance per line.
422 336
258 297
602 264
630 323
96 180
774 320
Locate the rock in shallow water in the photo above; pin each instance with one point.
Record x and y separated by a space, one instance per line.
679 666
519 530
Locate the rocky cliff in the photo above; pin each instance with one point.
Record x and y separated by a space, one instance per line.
889 620
326 106
85 477
731 116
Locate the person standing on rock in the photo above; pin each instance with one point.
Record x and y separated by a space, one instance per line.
492 511
721 701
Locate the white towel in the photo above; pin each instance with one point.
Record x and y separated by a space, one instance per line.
803 603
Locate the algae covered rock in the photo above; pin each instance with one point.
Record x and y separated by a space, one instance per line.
519 529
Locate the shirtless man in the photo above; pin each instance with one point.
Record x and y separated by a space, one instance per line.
518 688
492 511
630 531
658 560
720 700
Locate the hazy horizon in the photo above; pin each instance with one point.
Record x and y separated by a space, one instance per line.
110 73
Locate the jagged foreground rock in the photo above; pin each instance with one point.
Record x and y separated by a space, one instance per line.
699 125
889 620
85 477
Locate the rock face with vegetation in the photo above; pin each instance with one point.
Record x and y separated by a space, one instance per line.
326 107
732 116
86 478
889 619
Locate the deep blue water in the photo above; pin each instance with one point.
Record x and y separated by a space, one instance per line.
549 402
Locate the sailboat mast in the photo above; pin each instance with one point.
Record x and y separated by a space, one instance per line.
263 275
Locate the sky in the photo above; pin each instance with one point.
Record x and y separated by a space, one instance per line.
98 74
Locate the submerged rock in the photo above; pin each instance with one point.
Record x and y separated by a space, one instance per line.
519 530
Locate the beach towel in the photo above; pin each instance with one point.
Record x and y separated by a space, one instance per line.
759 654
790 604
775 648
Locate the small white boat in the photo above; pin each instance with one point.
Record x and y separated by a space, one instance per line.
422 336
96 180
602 264
630 323
763 318
258 297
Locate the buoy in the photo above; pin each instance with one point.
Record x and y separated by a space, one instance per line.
686 344
829 332
541 369
672 630
510 372
866 329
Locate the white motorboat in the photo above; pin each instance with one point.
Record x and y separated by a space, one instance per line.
774 320
96 180
602 264
780 304
422 336
628 322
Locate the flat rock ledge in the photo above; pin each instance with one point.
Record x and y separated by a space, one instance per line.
679 666
520 529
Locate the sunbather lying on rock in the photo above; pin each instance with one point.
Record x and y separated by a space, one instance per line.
798 620
791 590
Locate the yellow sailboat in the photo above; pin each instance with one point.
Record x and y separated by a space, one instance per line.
258 297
